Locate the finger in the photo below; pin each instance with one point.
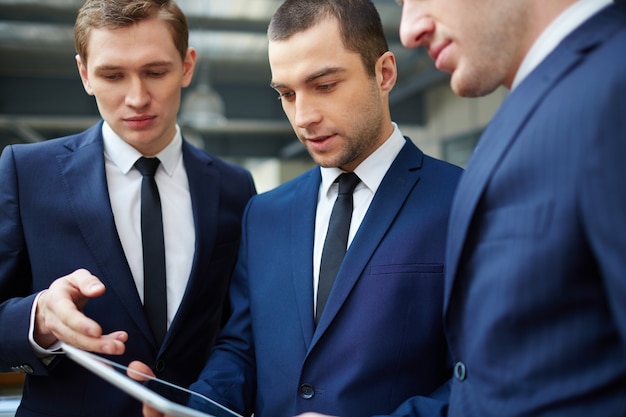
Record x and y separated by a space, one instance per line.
64 317
151 412
110 344
139 371
87 284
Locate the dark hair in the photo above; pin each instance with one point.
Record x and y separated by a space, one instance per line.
359 24
114 14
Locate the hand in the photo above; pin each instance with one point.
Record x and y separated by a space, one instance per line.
59 316
137 371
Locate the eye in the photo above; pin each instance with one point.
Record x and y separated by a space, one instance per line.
288 95
326 87
112 77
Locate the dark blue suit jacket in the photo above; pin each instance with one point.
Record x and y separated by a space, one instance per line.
380 339
55 217
535 305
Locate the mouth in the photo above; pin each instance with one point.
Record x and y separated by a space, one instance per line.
320 143
437 54
318 138
139 118
139 122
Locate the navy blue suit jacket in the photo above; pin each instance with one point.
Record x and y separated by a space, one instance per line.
535 305
380 339
55 217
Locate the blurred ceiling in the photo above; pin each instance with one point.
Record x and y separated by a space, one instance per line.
41 95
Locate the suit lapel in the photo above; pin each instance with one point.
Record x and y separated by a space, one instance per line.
505 126
302 235
84 179
204 190
399 181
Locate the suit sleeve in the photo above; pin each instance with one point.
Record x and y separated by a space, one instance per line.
16 300
603 201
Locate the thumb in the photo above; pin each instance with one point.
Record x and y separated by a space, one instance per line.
139 371
86 283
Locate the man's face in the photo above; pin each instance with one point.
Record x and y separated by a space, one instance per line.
336 109
481 43
136 75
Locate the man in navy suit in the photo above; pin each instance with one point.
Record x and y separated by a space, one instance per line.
535 297
70 208
379 339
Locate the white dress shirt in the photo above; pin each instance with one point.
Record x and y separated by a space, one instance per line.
563 25
371 172
124 184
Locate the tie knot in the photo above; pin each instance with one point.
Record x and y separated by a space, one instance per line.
348 182
147 166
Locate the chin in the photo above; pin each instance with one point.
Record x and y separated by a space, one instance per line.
470 90
473 83
325 162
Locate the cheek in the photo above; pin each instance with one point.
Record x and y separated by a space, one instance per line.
165 92
109 97
290 110
106 97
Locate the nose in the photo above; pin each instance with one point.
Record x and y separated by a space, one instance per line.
306 111
415 26
137 95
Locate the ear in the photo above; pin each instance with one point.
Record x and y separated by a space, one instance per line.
386 71
84 75
188 66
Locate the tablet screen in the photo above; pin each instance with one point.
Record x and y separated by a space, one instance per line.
162 395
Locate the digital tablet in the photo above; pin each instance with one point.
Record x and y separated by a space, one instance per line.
166 397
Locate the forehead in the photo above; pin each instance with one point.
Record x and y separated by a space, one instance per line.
148 39
307 52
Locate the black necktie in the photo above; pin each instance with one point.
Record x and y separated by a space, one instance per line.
336 242
155 297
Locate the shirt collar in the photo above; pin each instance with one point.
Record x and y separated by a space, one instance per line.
549 39
124 155
372 170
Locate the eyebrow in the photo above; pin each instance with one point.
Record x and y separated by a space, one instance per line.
108 67
322 73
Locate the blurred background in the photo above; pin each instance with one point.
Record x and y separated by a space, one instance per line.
229 109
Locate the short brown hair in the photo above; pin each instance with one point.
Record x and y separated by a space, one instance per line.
114 14
359 24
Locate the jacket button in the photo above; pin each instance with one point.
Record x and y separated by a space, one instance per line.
307 391
160 365
460 372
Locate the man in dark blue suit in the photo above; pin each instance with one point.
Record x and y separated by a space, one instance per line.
535 300
379 340
70 208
